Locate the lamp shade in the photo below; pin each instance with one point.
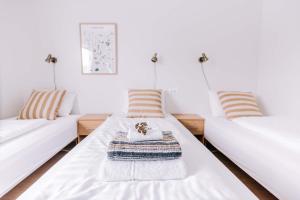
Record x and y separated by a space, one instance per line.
51 59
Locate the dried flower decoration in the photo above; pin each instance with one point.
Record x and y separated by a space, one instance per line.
142 128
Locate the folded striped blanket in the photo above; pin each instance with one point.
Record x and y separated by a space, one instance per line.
152 150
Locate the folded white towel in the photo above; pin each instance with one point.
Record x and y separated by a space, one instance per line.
111 171
153 134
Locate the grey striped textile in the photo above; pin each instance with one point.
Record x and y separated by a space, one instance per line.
152 150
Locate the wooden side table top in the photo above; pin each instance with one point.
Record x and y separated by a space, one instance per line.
88 123
94 117
187 116
193 122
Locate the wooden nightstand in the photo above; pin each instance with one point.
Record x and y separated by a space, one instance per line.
88 123
194 123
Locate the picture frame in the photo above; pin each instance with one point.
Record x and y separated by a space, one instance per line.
98 44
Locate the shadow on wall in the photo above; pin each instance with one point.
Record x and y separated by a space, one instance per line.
76 108
169 102
261 105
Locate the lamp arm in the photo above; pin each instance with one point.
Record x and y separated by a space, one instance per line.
54 77
154 59
155 76
204 75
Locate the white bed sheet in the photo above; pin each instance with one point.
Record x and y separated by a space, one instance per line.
76 175
20 156
12 128
273 164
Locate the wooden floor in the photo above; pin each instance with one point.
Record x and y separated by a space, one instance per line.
26 183
256 188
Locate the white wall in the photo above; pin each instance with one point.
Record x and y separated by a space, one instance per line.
228 31
20 71
279 65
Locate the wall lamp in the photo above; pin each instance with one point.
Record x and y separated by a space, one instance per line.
53 60
154 59
203 59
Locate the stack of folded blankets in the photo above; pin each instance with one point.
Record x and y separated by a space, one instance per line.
143 153
121 148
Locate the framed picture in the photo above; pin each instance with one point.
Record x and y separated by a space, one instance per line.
98 48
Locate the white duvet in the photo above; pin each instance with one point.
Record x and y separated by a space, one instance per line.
267 148
12 128
77 175
283 130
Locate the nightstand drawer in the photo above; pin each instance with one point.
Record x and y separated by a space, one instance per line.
86 127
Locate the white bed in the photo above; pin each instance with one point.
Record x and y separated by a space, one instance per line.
76 176
22 155
267 148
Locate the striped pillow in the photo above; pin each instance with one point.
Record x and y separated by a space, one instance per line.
239 104
42 104
145 103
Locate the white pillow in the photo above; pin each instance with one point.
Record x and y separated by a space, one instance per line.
67 104
215 105
163 101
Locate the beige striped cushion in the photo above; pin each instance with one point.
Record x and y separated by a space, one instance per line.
239 104
145 103
42 104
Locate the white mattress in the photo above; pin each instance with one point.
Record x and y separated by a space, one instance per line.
265 157
20 156
76 175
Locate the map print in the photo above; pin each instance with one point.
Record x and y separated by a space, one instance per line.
98 47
